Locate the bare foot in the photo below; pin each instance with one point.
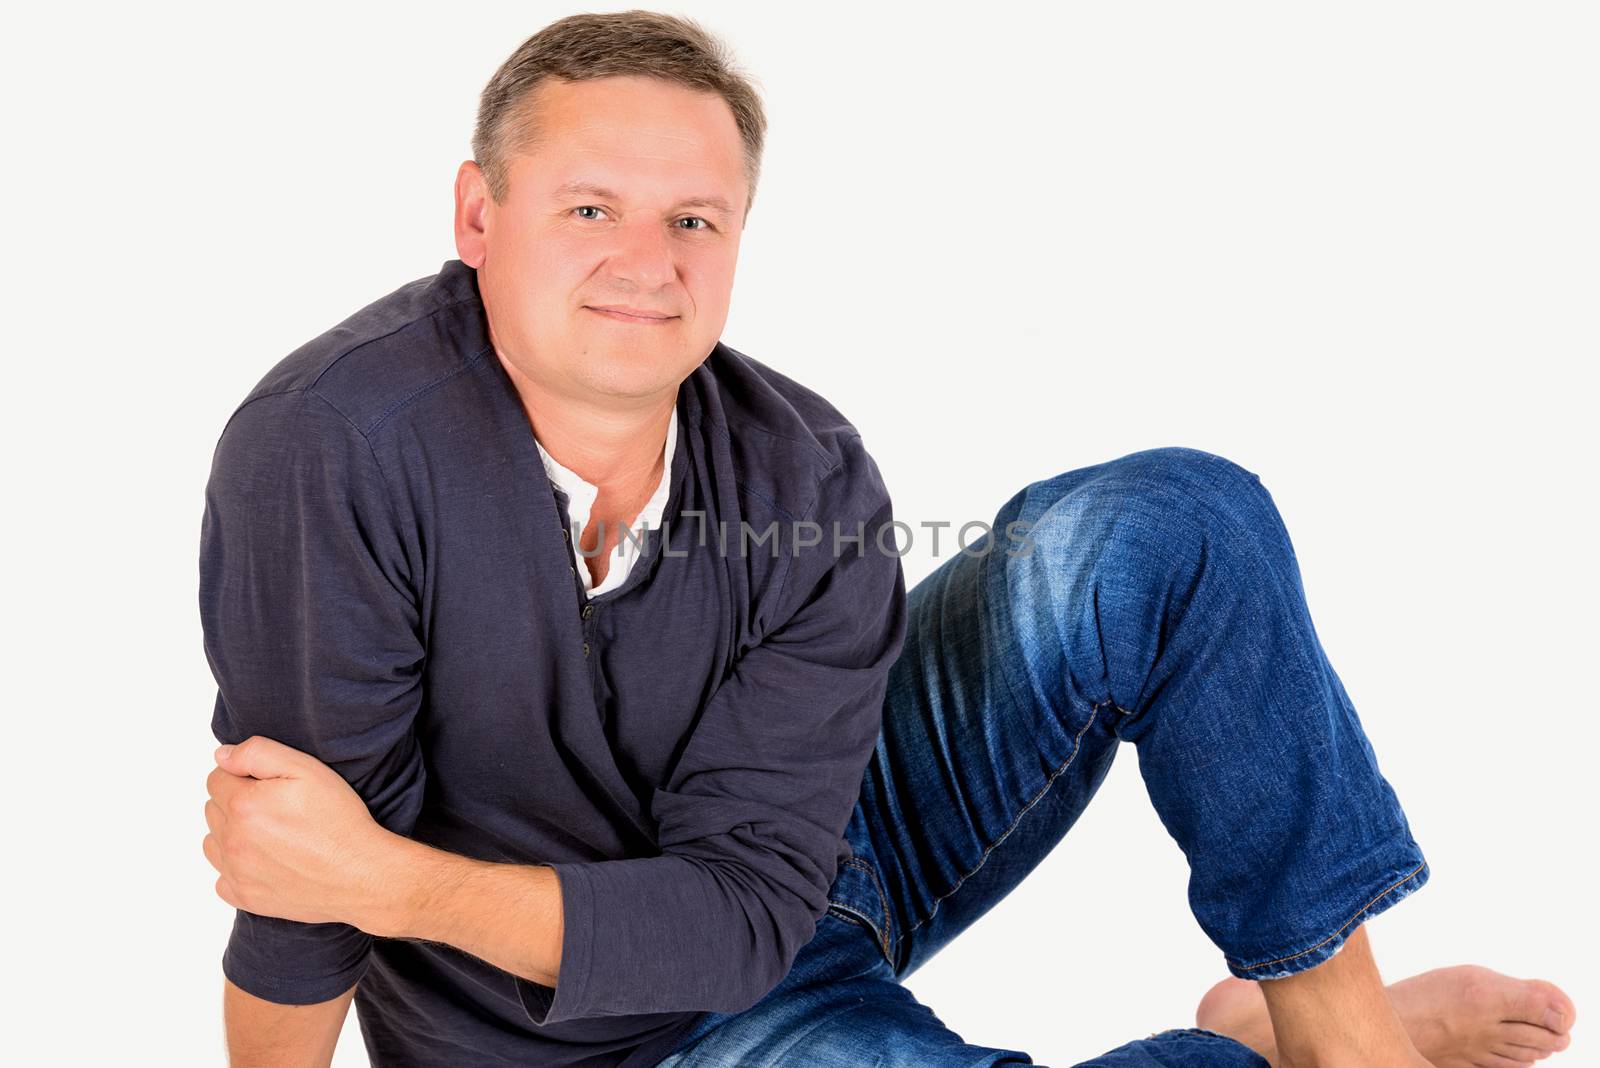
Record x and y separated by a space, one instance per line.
1461 1017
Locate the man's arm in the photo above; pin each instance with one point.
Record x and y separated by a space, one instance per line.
507 914
264 1034
312 633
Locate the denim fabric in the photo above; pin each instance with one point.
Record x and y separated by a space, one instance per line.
1161 604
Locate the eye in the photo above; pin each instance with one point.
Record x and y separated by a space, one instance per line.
695 218
587 207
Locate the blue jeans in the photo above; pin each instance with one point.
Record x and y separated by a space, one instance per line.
1160 604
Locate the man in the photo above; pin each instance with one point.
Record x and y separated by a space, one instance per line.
532 791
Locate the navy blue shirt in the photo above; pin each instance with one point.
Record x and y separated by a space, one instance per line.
385 583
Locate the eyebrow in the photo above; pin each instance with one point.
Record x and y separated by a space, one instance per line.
591 189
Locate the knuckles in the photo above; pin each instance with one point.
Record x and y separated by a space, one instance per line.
244 807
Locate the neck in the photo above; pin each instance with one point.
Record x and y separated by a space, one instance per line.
611 444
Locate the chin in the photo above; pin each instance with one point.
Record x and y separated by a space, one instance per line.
631 378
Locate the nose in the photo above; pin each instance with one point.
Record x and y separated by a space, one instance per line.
644 256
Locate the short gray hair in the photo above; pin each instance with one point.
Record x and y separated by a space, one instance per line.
583 47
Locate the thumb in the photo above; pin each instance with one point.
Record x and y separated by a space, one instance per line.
260 757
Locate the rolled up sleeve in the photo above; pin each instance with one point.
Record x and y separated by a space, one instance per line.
750 822
312 632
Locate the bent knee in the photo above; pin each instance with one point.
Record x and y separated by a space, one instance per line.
1168 491
1205 477
1151 520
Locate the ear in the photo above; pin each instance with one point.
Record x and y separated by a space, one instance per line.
471 217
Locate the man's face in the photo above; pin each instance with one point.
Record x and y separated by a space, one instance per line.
633 197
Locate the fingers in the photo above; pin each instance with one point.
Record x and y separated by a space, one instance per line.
219 777
261 757
212 848
223 786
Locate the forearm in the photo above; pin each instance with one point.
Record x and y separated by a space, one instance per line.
507 914
265 1034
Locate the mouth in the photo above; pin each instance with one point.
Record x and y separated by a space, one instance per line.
641 316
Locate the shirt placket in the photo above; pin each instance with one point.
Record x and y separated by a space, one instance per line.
575 560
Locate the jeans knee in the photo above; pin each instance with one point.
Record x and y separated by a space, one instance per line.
1172 496
1140 561
1190 479
1119 551
1133 534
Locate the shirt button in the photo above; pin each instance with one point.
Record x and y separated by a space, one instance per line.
567 535
571 570
588 610
585 648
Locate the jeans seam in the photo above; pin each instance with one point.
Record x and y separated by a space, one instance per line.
884 941
1358 914
861 919
1077 747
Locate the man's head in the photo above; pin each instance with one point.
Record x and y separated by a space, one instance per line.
616 161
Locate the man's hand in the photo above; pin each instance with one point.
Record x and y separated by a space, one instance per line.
290 838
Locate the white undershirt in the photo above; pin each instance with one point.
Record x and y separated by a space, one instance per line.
580 499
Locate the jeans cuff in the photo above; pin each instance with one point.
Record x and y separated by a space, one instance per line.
1290 963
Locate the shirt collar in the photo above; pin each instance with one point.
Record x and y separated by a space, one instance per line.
581 493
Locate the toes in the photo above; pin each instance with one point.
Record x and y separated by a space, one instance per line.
1500 1060
1531 1037
1560 1013
1543 1004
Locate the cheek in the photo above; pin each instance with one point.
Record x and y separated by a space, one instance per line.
709 279
550 264
542 278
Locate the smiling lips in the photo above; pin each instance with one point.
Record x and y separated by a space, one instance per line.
624 314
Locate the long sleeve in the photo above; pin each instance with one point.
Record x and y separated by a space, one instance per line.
750 821
312 633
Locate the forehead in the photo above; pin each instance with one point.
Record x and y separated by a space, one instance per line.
624 132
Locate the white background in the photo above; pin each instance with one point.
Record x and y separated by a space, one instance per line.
1351 246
